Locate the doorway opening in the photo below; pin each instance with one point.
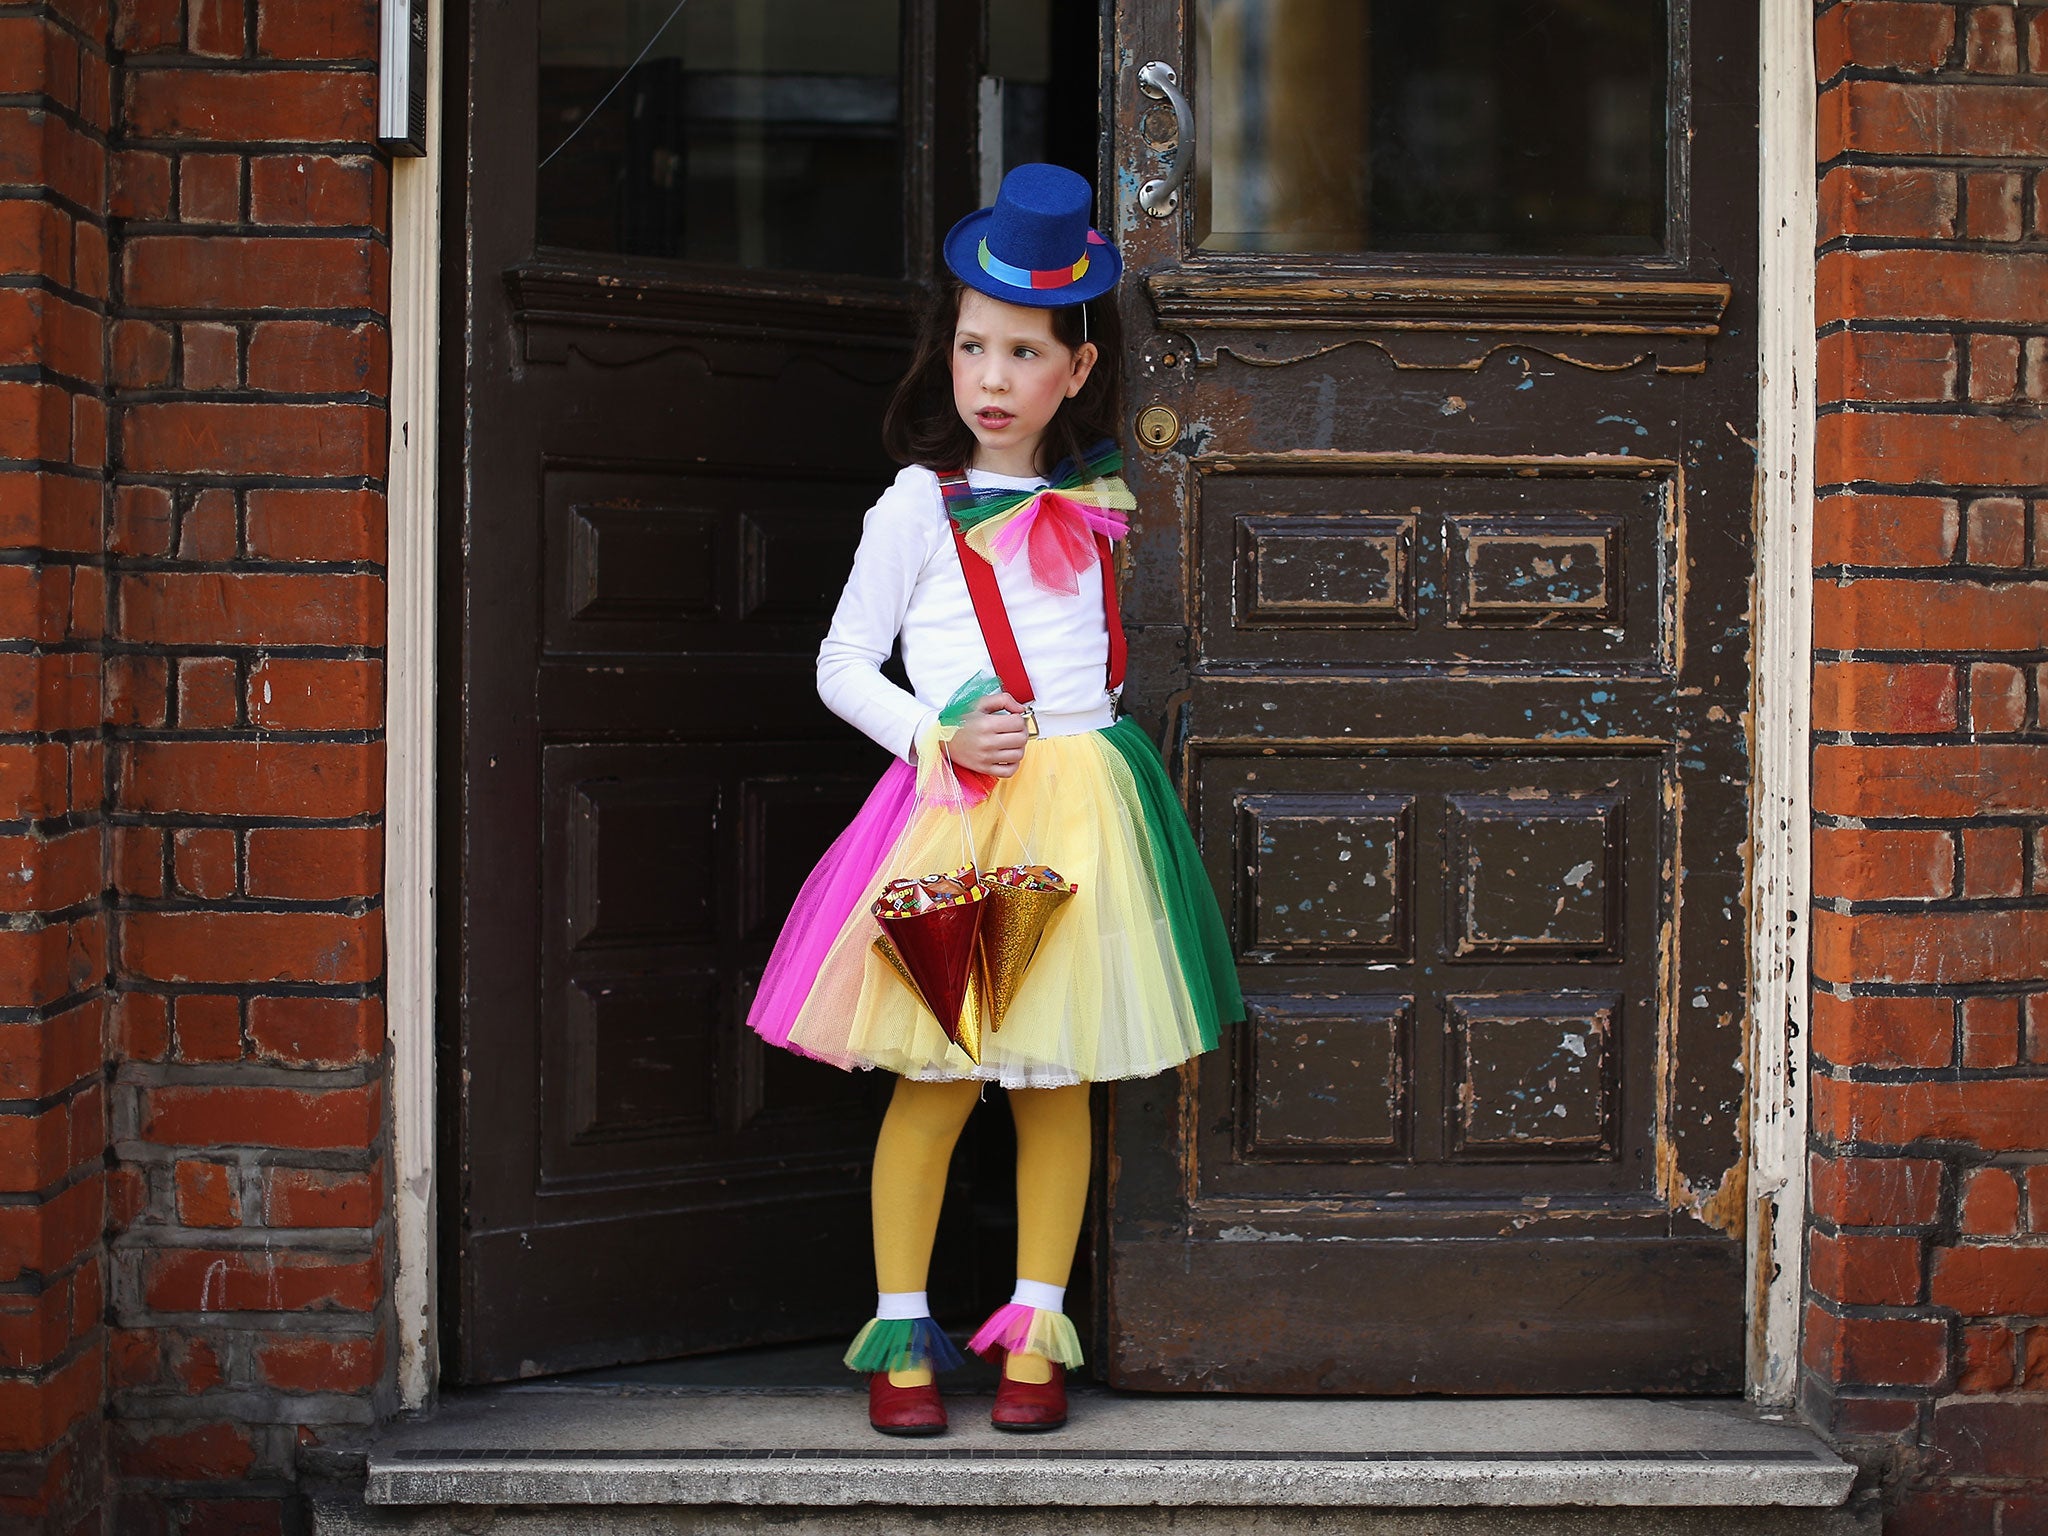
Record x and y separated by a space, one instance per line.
643 562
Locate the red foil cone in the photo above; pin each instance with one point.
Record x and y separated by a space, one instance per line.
937 945
967 1031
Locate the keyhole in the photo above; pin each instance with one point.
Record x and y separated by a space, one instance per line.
1158 427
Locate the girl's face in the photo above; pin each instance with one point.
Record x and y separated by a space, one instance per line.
1009 377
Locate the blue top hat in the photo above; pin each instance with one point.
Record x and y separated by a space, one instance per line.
1034 246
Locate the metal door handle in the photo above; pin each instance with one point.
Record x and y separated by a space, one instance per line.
1158 81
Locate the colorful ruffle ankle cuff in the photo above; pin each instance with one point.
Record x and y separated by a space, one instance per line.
1016 1329
901 1344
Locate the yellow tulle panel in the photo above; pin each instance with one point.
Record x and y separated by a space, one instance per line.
1103 999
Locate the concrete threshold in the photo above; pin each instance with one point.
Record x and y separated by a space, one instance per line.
553 1445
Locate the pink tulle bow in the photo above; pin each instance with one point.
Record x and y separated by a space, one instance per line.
1060 534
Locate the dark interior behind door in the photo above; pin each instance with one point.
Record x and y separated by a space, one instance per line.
679 335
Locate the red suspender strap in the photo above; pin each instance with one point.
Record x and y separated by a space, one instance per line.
1107 561
995 622
994 616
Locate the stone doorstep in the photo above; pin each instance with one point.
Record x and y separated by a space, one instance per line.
551 1445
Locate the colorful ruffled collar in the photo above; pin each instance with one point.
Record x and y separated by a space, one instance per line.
1057 523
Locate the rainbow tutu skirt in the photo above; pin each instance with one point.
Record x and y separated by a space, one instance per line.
1133 976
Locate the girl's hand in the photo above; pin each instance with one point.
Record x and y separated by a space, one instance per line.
990 740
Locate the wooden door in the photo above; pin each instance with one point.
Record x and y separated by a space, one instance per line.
683 310
1440 587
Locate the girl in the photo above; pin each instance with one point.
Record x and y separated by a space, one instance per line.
1006 598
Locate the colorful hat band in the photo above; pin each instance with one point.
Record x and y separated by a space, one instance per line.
1024 277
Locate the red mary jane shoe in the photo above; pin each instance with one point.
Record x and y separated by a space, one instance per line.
898 1410
1025 1407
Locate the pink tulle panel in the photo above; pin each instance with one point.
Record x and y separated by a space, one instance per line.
828 898
1015 1329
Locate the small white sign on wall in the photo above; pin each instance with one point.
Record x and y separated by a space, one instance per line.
402 78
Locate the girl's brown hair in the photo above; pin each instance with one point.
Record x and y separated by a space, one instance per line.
922 427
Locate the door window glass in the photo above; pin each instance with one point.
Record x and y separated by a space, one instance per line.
1516 126
754 133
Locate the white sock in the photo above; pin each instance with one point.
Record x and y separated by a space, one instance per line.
1036 1293
901 1306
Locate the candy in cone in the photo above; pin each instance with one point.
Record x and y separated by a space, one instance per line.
1022 901
933 924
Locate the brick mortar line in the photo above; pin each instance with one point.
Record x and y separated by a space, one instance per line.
285 149
28 645
248 906
1933 245
52 828
1949 328
99 47
357 1242
248 735
2004 820
35 193
72 1178
267 1159
1923 990
72 1352
336 319
1930 489
59 471
17 1013
187 62
42 282
1947 77
2013 164
123 399
41 192
1976 410
42 103
1915 1311
44 918
1933 906
44 374
119 820
1926 1229
71 1092
252 565
1839 1073
1958 736
120 476
55 467
1851 574
250 229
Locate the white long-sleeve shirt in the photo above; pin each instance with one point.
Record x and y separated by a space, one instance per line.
906 582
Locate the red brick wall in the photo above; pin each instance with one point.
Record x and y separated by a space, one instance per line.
1927 1317
193 368
54 115
249 364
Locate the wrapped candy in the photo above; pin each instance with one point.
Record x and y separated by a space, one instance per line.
1022 901
931 926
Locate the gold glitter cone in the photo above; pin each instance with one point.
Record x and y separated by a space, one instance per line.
1022 901
966 1031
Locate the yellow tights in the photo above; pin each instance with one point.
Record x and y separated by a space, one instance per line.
911 1158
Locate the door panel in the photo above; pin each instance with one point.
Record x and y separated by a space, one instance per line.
1444 563
648 555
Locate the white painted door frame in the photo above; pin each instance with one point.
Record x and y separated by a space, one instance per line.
410 660
1782 664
